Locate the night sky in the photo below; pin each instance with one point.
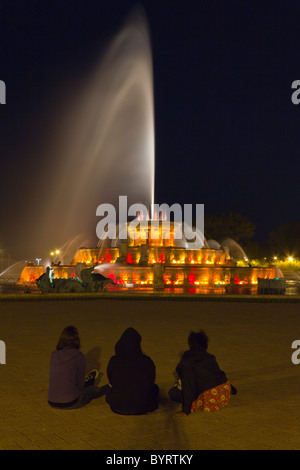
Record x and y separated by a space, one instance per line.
226 131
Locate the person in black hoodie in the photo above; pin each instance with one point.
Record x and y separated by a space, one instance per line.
202 385
131 376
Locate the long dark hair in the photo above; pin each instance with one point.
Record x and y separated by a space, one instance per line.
69 338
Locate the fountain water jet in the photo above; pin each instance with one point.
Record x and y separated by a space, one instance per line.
12 272
107 147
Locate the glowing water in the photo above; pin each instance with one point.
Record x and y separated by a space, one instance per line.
68 249
107 149
236 251
13 271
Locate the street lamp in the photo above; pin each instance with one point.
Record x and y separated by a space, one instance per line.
38 260
53 254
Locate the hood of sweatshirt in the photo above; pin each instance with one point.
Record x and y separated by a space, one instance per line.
65 355
129 344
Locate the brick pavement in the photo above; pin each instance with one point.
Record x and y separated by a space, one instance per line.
252 343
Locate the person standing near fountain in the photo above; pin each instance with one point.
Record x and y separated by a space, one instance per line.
202 385
69 387
131 375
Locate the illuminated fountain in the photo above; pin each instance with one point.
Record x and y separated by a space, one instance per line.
111 152
163 263
158 260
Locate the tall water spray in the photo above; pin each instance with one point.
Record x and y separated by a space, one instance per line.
107 149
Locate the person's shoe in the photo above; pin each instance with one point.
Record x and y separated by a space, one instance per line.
178 384
91 377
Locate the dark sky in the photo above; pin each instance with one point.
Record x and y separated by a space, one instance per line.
226 130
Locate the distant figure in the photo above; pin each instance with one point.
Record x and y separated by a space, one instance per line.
69 387
131 375
202 385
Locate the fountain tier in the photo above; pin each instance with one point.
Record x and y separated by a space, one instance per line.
160 263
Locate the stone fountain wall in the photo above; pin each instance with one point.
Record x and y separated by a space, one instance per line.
158 267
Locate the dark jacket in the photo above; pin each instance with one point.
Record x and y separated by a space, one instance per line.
67 375
198 371
131 375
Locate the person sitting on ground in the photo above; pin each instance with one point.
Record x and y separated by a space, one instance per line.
131 375
202 385
69 387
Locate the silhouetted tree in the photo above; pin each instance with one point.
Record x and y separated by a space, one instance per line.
258 250
228 225
285 239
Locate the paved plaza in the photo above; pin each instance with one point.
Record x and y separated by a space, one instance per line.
251 341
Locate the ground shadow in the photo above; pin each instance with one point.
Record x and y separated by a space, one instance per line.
171 429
